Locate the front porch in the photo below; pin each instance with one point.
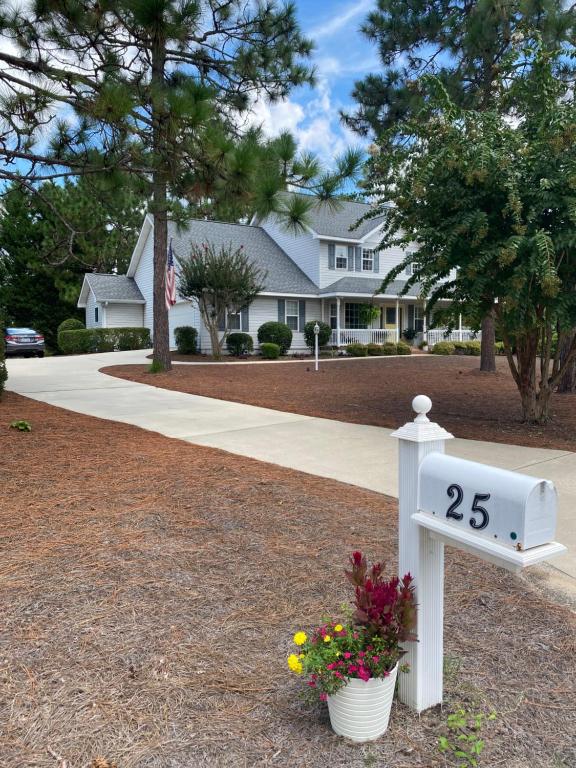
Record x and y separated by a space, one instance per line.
391 321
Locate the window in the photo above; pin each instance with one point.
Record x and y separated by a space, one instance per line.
418 319
334 316
367 260
390 315
292 315
95 314
234 321
341 257
409 269
352 316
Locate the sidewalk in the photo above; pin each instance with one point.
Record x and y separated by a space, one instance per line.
361 455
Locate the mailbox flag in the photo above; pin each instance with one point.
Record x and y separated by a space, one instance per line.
170 279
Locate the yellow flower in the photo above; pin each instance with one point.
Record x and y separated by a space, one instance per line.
300 638
338 628
327 638
295 664
301 655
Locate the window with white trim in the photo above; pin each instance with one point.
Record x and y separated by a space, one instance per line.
95 314
341 253
367 260
352 316
292 314
234 321
334 316
418 319
390 315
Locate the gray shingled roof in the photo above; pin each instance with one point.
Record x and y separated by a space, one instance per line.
114 287
327 222
283 276
368 285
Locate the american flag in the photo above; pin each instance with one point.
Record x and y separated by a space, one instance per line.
170 279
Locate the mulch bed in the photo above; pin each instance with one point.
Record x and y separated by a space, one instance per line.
150 589
379 391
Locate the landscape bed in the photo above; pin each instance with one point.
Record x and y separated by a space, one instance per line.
378 391
150 590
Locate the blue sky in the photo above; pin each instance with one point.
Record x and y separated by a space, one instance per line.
342 56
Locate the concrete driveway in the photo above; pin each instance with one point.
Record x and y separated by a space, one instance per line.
361 455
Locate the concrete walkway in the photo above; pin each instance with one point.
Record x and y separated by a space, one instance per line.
361 455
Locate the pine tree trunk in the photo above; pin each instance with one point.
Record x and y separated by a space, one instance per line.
487 349
161 338
567 383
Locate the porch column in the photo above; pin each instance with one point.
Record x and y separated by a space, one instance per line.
338 322
397 320
459 327
424 325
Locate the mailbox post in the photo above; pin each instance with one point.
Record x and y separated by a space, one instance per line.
316 332
503 517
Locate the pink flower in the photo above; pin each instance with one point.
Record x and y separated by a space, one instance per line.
338 675
347 655
363 674
323 696
352 668
330 666
361 654
311 683
375 659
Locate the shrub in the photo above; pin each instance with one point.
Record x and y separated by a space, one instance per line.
186 339
323 336
269 350
410 334
3 371
357 350
499 348
422 345
443 348
374 350
84 341
473 348
460 347
390 348
239 344
71 324
403 349
274 332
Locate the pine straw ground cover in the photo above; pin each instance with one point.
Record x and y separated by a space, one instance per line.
378 391
150 589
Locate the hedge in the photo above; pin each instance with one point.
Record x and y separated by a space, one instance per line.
461 348
84 341
71 324
3 371
357 350
323 336
403 349
274 332
186 338
389 348
239 343
443 348
269 350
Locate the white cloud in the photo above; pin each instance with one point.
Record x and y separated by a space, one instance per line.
341 19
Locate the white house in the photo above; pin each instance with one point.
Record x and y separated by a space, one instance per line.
325 273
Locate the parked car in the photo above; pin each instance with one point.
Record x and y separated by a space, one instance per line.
23 341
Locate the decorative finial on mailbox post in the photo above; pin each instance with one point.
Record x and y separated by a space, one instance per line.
421 405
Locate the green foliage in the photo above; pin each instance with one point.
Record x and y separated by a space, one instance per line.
490 203
324 334
443 348
239 344
462 743
409 334
374 350
21 425
464 44
357 350
156 367
71 324
90 340
275 333
269 350
390 348
186 338
499 348
403 349
367 313
3 370
473 348
223 281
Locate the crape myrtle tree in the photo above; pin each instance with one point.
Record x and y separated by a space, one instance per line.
156 86
489 197
465 44
223 281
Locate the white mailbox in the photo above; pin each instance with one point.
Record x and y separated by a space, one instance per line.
504 507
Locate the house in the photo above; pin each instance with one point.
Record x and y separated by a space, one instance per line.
327 272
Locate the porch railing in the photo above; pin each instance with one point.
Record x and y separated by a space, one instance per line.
361 336
440 334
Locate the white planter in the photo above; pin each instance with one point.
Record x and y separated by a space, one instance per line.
361 710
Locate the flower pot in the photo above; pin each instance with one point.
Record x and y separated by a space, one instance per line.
361 710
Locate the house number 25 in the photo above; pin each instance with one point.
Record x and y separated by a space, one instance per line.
478 523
